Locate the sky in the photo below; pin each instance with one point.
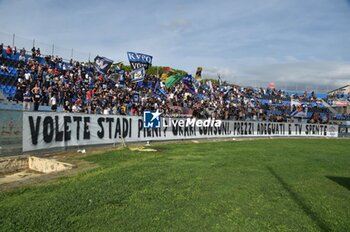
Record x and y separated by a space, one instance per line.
297 44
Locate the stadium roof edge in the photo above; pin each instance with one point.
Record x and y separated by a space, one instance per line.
345 86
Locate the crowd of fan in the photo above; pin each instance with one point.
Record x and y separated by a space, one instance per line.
79 88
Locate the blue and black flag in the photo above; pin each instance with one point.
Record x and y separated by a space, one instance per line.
102 64
139 60
138 74
189 83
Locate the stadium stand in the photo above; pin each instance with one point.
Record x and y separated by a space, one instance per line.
78 87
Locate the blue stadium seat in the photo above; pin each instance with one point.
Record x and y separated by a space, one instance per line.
321 95
6 90
12 93
13 71
16 57
41 60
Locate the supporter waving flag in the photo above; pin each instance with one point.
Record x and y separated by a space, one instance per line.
158 91
118 68
210 86
228 90
102 64
298 109
136 97
188 82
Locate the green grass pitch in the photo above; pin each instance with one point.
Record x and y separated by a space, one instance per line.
257 185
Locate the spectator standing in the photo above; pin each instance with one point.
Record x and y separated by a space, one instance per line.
67 107
38 53
45 96
9 51
19 93
33 52
106 111
27 77
21 58
22 52
1 49
27 99
76 108
37 97
53 102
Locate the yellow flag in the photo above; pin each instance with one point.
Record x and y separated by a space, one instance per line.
199 73
164 77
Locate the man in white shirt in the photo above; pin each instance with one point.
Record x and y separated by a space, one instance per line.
27 76
75 108
106 111
53 103
27 99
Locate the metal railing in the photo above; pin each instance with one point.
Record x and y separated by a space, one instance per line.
20 42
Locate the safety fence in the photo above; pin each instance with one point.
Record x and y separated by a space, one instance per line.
53 49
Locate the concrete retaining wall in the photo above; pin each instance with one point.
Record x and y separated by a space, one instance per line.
47 165
13 164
